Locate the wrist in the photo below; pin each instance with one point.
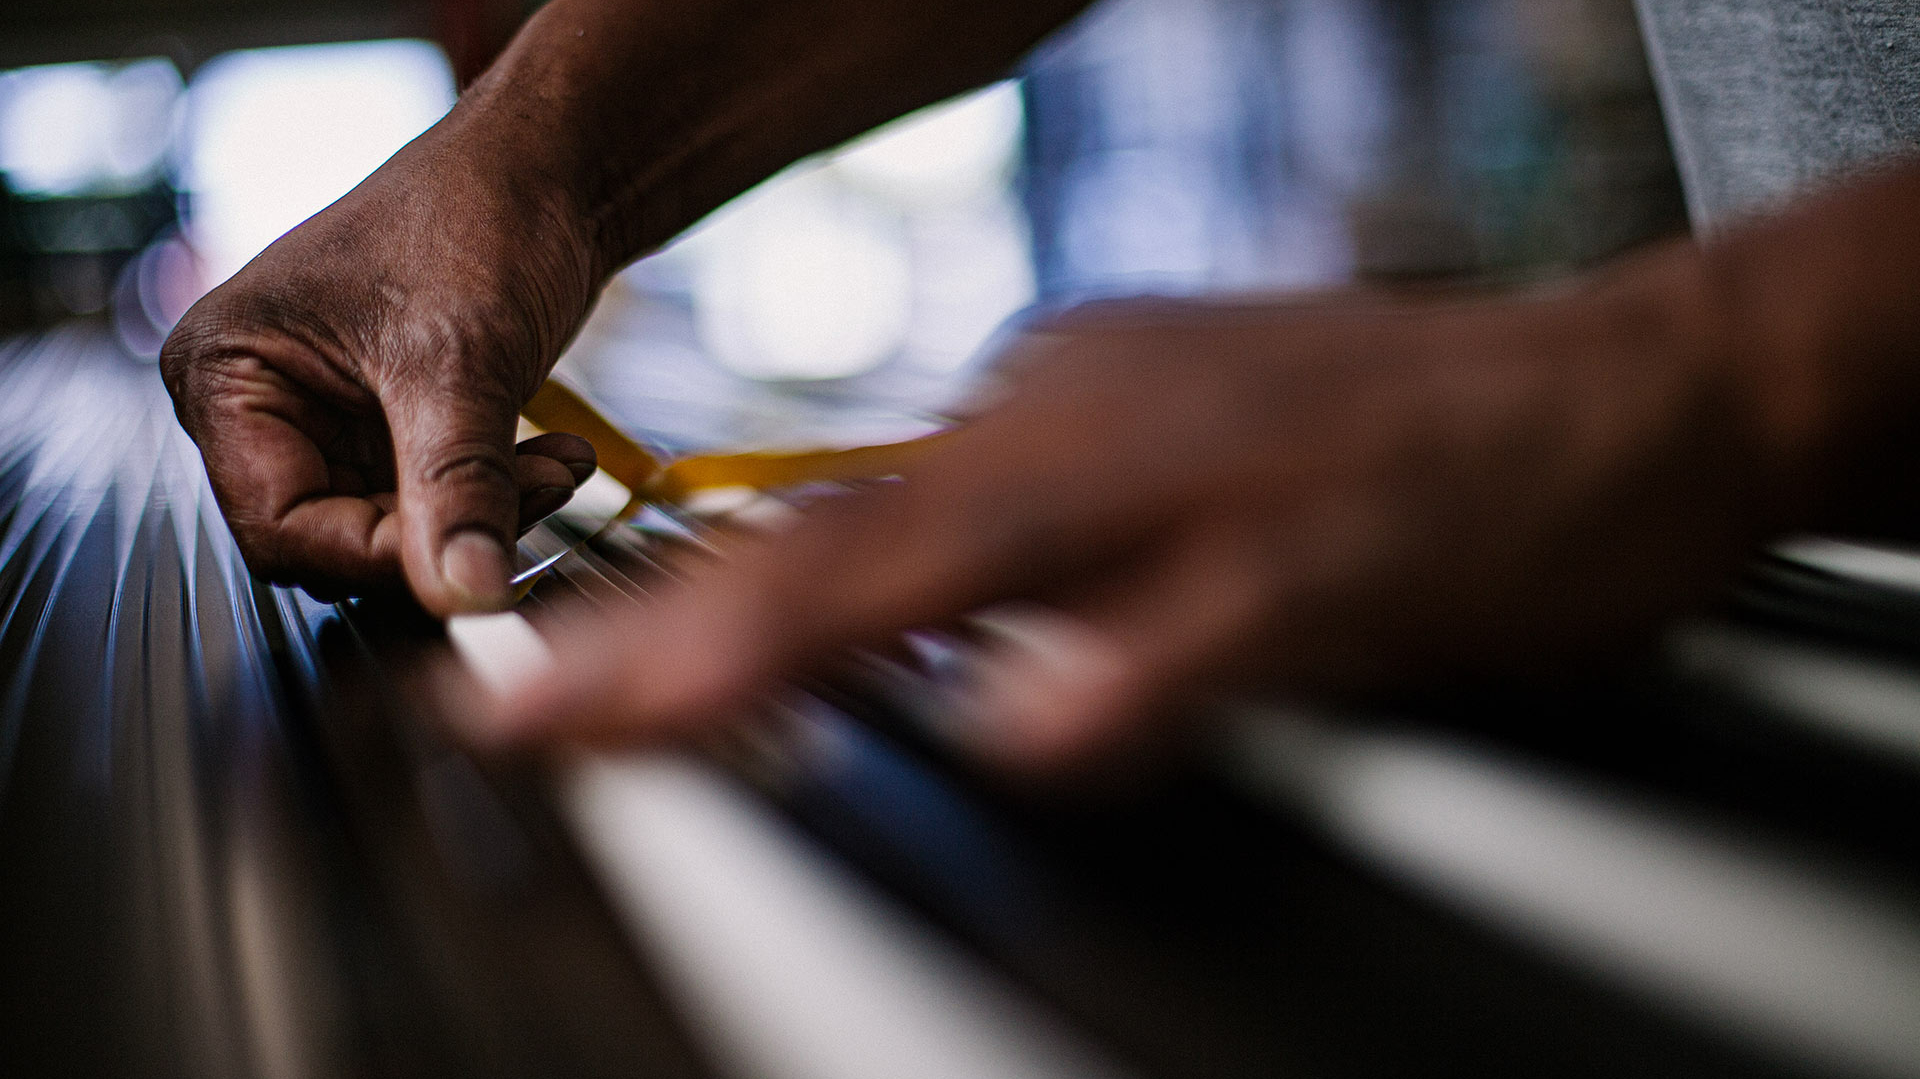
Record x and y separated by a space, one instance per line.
570 119
1680 333
483 235
523 186
1823 301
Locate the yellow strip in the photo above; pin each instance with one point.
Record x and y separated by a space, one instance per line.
556 408
770 471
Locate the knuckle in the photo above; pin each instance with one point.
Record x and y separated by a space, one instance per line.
262 550
207 350
194 344
462 463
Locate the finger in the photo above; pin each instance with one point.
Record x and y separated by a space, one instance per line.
571 451
1053 688
547 469
334 546
275 488
538 505
459 495
533 472
337 546
694 657
852 571
545 485
592 692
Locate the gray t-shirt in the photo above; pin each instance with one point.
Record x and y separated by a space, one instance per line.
1764 98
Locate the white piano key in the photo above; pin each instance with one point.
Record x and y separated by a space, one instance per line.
1790 953
786 964
502 650
1850 696
1885 565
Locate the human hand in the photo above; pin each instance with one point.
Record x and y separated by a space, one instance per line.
1187 499
354 389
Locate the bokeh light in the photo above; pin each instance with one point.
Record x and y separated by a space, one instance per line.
69 129
275 135
943 154
801 282
905 245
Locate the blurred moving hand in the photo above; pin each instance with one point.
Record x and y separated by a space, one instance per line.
1175 500
1184 498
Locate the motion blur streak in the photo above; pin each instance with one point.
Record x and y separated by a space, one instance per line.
796 970
113 552
1743 931
227 846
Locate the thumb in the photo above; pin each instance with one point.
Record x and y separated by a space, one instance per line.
458 502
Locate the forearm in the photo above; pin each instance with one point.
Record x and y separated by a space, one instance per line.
1825 301
640 116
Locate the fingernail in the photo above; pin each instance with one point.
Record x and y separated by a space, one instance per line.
1030 687
993 709
475 568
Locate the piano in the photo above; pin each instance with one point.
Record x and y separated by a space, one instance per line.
235 840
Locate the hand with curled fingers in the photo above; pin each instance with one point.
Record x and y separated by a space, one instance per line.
1177 500
354 390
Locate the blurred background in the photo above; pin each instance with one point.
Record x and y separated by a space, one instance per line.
148 148
232 843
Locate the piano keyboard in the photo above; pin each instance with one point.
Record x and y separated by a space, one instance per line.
235 841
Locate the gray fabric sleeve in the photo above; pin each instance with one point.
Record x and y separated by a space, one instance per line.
1763 98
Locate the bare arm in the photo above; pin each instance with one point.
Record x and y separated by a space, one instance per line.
649 115
1823 303
353 390
1341 496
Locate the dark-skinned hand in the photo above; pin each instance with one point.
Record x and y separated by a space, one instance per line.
1175 500
354 389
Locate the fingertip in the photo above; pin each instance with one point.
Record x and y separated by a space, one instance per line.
652 674
546 484
1046 692
460 487
475 572
531 470
584 699
518 715
538 504
576 453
